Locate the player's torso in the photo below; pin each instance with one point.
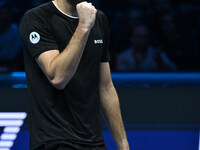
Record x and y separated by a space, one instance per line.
63 27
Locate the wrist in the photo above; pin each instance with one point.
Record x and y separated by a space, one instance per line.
123 145
84 27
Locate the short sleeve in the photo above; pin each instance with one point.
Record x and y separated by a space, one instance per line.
36 35
106 50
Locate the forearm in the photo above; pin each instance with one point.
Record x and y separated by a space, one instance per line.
63 67
111 109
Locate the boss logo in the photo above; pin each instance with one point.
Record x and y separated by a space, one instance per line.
98 41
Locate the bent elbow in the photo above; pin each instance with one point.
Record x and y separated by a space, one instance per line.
58 84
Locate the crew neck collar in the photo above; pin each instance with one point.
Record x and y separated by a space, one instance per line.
63 12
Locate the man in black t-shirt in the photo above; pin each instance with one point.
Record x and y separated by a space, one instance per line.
66 44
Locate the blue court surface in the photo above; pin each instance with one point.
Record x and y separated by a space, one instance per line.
138 140
158 140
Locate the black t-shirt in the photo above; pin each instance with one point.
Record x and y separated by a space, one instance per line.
71 114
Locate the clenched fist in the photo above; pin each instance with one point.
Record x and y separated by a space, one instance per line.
87 14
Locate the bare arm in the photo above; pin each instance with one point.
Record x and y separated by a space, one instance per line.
111 107
60 67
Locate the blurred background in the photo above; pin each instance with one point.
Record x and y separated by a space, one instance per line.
155 63
146 35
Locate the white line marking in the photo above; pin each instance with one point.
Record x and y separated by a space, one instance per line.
6 123
11 130
6 144
10 137
13 115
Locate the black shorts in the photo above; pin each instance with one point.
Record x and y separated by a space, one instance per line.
70 146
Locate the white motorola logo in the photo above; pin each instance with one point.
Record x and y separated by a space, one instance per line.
12 123
34 37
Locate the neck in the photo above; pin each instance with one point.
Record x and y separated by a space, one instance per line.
67 7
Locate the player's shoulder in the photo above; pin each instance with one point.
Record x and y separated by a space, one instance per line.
43 12
101 14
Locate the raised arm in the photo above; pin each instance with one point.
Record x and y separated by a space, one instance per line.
60 67
111 107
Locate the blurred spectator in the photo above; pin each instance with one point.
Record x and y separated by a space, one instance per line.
141 56
10 43
121 25
177 43
136 17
